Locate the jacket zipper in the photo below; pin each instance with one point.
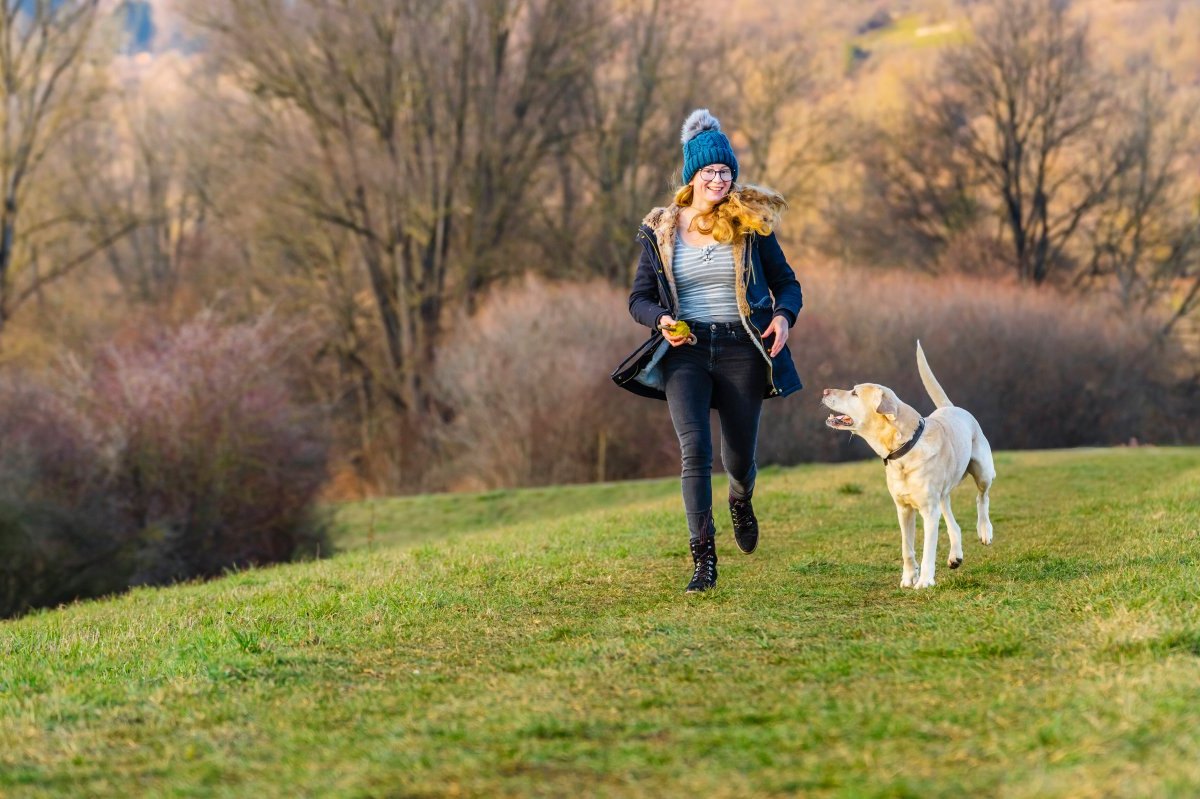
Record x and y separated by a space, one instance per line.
756 333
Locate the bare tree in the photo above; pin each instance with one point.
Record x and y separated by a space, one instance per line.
924 189
415 128
49 85
534 61
144 173
646 74
1146 237
777 90
1022 104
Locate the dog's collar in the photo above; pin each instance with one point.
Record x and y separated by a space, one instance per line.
904 448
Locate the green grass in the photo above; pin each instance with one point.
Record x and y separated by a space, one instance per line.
538 644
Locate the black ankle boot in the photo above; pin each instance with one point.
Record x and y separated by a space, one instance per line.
745 525
704 554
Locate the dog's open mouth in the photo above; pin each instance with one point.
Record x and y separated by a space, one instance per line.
838 420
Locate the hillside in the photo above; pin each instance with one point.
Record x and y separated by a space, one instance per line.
538 644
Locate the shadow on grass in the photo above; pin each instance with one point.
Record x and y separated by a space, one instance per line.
1185 642
1039 566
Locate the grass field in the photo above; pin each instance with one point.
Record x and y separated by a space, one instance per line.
539 644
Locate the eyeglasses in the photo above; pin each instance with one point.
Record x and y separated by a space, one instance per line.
708 173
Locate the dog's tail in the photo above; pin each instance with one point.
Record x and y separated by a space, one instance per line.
931 384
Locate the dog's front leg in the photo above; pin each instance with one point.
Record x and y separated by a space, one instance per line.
932 517
908 544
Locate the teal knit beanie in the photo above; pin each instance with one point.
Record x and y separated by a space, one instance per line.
704 144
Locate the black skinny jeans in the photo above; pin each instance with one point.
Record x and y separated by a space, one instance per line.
726 371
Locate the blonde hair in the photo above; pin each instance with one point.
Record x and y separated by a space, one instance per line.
746 208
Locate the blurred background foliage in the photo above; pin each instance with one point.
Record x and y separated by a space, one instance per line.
436 201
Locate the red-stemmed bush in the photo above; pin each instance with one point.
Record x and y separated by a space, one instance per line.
177 454
214 463
60 534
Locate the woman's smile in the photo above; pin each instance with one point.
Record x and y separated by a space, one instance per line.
716 191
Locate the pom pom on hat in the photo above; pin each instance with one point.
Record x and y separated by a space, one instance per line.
697 122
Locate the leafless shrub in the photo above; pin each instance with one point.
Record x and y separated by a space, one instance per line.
214 463
59 536
527 378
177 454
533 404
1038 369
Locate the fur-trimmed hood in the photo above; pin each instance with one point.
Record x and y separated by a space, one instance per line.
760 196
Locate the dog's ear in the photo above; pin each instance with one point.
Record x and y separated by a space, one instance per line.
888 406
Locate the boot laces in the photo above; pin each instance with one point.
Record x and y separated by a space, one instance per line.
706 564
739 509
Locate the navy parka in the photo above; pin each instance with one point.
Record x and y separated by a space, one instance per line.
771 290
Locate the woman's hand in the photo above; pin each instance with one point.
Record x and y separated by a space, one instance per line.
779 329
666 321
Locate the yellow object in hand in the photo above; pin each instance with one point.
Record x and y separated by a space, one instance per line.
677 330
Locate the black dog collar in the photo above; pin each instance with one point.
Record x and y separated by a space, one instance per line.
903 450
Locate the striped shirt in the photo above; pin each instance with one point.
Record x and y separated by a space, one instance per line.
704 280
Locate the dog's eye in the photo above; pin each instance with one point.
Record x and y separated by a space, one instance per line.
853 392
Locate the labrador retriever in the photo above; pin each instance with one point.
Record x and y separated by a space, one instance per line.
923 459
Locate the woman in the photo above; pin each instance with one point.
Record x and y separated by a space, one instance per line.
711 259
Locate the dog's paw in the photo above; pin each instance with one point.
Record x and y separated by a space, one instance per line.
954 562
908 580
924 582
985 535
